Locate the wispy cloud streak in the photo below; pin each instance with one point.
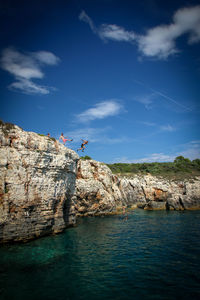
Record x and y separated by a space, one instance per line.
85 18
158 93
100 110
116 33
172 100
108 31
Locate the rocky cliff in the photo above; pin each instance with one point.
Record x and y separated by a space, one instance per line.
44 186
37 181
99 191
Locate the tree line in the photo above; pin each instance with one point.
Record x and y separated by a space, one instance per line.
180 167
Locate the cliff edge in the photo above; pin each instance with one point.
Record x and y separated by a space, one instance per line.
45 186
37 181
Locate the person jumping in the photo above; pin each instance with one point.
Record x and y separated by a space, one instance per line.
85 142
64 139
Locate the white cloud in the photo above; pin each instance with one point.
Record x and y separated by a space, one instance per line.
25 67
188 20
20 65
28 87
100 110
46 57
158 42
116 33
108 31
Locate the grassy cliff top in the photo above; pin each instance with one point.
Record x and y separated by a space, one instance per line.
181 168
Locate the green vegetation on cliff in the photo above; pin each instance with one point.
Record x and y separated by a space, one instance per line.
86 157
6 127
180 168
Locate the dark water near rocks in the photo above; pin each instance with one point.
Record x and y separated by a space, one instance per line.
152 255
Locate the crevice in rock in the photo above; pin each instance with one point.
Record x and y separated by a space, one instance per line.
5 187
147 200
167 206
132 185
181 203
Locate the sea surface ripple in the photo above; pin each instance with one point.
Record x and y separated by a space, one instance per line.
149 255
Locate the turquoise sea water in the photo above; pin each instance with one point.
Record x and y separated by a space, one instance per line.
151 255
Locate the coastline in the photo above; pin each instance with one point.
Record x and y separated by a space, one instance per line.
45 187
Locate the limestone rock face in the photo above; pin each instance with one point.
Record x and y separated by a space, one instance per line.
98 191
161 193
154 193
44 186
37 181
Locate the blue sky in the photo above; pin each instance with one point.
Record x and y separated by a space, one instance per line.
122 74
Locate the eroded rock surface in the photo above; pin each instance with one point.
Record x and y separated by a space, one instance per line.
99 191
37 181
43 189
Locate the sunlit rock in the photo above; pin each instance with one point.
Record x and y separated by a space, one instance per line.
37 181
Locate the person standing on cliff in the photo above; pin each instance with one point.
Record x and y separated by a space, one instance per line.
64 139
85 142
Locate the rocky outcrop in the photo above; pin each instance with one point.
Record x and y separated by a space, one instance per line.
98 191
43 189
37 181
161 193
